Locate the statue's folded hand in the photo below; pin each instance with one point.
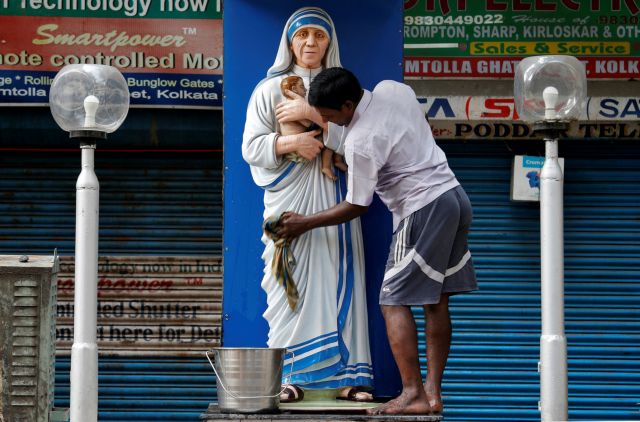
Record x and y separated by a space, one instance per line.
307 146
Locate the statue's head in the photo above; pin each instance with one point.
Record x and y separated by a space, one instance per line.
309 35
308 40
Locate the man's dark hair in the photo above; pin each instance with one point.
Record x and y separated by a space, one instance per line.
332 87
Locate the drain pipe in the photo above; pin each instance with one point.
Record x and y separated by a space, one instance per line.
553 342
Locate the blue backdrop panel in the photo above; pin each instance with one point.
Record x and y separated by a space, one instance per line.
370 36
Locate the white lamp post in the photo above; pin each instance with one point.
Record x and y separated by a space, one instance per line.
549 91
88 101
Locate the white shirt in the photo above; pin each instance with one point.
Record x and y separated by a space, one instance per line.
390 150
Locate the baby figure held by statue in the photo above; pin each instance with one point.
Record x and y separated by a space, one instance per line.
296 85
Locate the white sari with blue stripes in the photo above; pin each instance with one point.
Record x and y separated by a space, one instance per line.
328 332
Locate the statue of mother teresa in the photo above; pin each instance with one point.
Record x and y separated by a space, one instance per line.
327 330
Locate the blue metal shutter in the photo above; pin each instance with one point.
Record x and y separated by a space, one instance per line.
492 370
146 389
156 203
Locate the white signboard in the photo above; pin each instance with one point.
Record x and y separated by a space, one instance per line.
480 117
477 107
525 177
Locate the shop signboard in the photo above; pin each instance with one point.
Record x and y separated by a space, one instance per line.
487 38
154 306
525 177
169 51
481 117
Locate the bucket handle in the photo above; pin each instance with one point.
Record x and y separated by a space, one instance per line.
235 396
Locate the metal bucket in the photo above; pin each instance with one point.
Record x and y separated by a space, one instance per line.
250 378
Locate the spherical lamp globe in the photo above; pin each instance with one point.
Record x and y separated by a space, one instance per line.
89 98
550 88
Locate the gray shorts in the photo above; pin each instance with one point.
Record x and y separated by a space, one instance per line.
429 253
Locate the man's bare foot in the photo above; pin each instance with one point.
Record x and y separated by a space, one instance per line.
404 404
436 405
434 399
329 174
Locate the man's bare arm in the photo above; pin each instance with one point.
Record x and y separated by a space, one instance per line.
298 109
293 225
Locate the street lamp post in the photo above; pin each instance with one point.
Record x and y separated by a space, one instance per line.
88 101
549 91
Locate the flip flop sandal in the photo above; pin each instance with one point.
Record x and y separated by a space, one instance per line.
291 394
353 393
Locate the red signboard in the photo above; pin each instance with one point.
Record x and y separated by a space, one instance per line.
483 38
44 43
504 67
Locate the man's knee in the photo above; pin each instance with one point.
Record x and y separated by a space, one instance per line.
441 307
394 309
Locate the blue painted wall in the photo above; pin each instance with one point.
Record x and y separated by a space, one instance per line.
370 36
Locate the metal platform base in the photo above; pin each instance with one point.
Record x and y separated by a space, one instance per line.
319 415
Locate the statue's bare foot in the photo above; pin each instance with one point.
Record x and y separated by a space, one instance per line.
404 404
329 174
341 166
434 399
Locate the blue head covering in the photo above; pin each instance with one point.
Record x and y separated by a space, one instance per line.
284 59
316 18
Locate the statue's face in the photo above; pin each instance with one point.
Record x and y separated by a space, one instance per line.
309 45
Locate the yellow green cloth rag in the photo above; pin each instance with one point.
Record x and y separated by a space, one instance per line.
283 260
